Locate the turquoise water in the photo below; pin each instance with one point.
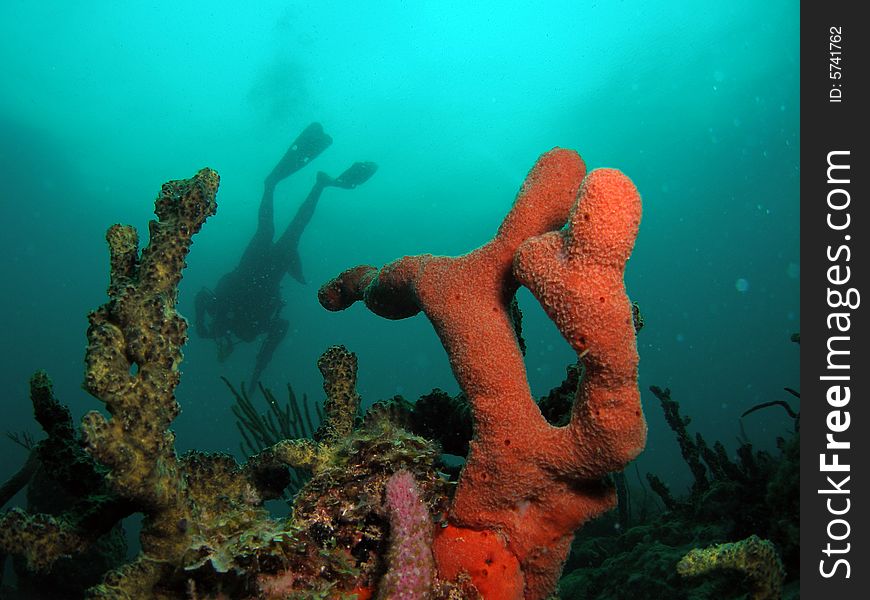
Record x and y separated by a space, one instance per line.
102 102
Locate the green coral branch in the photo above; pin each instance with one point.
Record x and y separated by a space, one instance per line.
756 558
134 346
338 366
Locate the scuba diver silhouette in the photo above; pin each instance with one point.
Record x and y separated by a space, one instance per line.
247 301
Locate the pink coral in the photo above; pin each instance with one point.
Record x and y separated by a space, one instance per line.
529 482
411 572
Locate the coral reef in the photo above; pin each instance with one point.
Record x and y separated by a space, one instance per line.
527 482
61 485
205 531
373 514
134 348
68 489
755 558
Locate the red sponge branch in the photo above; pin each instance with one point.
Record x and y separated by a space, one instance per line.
529 482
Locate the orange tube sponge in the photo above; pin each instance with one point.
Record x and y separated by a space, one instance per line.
530 482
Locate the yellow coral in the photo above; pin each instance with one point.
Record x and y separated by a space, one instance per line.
339 367
755 557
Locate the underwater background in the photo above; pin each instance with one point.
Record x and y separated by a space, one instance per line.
102 102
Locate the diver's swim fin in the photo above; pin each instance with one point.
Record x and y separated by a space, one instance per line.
305 148
294 267
357 174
